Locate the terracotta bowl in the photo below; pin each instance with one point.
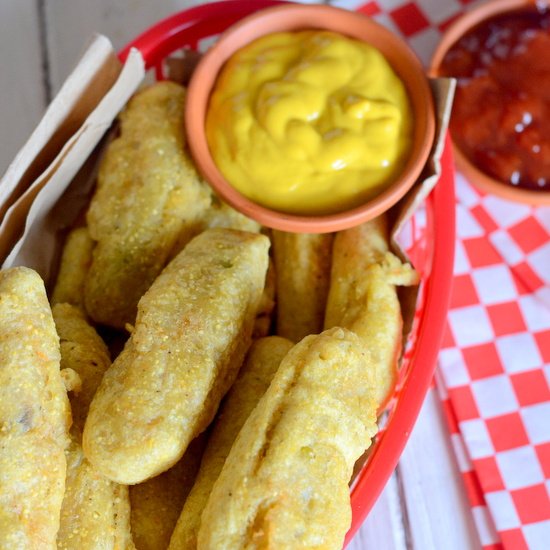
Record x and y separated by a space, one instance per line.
297 17
453 34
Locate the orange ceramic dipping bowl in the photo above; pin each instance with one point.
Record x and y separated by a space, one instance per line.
293 17
454 33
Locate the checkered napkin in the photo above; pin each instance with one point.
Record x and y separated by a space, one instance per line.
494 367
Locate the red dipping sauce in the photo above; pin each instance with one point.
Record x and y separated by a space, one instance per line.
501 113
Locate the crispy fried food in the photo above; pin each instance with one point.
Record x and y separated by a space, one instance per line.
34 414
84 352
192 331
363 296
353 252
149 196
220 214
302 264
75 263
95 511
262 362
157 503
285 481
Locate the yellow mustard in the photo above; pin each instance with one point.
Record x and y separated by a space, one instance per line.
309 122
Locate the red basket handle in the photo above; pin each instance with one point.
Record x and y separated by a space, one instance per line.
186 28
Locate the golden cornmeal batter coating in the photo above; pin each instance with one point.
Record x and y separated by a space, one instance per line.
285 481
157 503
192 331
75 262
262 362
218 214
355 249
149 196
96 511
363 296
302 264
84 352
34 414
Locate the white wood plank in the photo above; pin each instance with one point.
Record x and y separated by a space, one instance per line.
71 23
22 94
384 528
437 510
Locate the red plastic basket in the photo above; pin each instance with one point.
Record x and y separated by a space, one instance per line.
432 253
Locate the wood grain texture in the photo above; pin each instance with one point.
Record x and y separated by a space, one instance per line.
384 528
72 22
438 513
22 93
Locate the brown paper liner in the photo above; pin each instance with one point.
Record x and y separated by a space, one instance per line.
61 153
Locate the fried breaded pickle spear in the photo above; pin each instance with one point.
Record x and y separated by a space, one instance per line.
157 503
73 268
262 362
363 296
96 511
219 214
83 351
285 481
34 414
149 196
302 264
192 331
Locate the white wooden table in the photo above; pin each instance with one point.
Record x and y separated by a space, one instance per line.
423 506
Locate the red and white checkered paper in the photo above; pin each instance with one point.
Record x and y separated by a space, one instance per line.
494 366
